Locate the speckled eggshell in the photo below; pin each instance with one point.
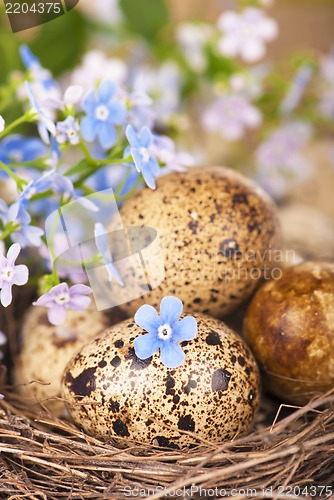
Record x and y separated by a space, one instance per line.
210 222
290 328
46 349
112 394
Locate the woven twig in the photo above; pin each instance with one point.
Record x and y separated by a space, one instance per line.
43 457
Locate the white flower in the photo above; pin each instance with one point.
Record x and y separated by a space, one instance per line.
231 115
245 34
73 94
280 162
163 148
2 124
192 39
107 11
250 82
163 85
96 67
68 130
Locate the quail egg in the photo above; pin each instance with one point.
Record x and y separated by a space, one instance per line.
211 397
289 325
218 232
46 349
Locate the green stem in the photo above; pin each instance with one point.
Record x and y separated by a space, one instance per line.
10 228
36 166
19 121
93 260
55 276
87 154
117 161
20 182
99 164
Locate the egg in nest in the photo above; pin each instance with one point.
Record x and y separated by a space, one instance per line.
212 396
218 232
290 327
45 350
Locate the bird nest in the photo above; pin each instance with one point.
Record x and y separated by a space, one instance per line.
289 453
43 457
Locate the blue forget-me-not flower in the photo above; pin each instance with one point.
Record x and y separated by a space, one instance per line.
140 152
61 298
165 331
19 149
68 131
103 112
11 274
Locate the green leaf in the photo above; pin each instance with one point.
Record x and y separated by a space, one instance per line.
145 17
219 67
9 55
61 42
81 168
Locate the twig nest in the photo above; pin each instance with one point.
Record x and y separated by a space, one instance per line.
290 327
46 349
212 396
218 232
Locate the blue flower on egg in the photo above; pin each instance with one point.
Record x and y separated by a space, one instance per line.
165 331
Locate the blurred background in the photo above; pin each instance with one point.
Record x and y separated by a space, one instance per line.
170 49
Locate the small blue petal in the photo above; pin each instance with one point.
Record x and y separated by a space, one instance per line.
106 134
146 137
88 129
148 177
113 273
171 354
132 137
62 184
146 345
101 239
186 329
146 317
154 166
137 158
170 310
117 113
106 91
28 58
89 103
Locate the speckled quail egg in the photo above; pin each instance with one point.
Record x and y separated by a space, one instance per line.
212 396
46 349
290 328
217 230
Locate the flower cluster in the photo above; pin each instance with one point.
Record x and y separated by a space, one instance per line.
107 131
245 34
280 160
108 123
231 115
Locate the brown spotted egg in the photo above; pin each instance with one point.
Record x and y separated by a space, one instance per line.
46 349
217 231
292 336
211 397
